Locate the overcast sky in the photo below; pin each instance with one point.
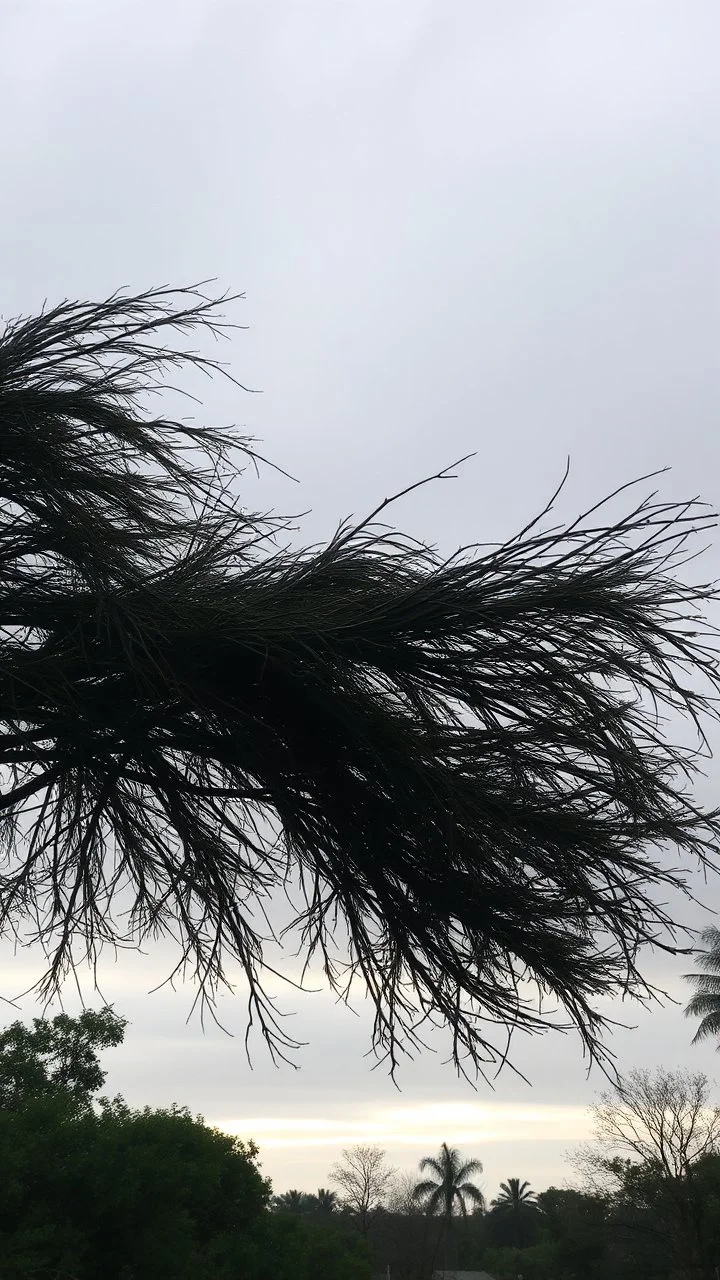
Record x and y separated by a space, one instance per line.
460 226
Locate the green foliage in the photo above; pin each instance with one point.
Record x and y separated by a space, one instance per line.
161 1174
297 1248
575 1225
156 1191
56 1058
651 1226
98 1189
706 1201
103 1190
656 1131
535 1263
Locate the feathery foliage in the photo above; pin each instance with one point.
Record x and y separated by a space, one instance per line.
518 1202
465 761
451 1187
293 1201
514 1194
326 1200
705 1004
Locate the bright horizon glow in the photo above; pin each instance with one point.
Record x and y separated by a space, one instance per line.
428 1124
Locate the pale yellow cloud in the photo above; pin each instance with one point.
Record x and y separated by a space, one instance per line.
433 1123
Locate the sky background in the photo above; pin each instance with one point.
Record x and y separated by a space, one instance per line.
460 227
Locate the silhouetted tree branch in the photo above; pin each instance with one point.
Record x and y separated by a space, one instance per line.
470 762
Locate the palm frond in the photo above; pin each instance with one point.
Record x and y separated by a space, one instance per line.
424 1189
441 1196
705 1004
467 760
709 959
430 1197
706 985
702 1003
710 1026
514 1195
468 1191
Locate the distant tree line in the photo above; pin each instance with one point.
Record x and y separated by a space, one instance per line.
93 1187
646 1201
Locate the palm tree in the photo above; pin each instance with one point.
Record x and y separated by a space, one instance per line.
326 1201
451 1187
293 1201
705 1004
464 762
517 1198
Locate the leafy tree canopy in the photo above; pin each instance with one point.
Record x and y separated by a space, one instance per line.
56 1058
135 1194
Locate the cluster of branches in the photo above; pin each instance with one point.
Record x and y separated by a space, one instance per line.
663 1119
364 1179
467 760
656 1162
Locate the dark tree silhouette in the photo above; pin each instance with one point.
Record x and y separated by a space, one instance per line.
513 1194
465 760
517 1199
326 1201
451 1188
294 1202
